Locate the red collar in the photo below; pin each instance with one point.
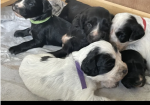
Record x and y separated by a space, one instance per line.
144 22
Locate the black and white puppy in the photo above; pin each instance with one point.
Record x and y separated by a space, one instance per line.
136 69
92 24
99 66
72 8
46 29
130 31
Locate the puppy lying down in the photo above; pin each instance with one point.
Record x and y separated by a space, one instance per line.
136 69
77 76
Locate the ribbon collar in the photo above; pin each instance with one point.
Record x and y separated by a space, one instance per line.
144 22
81 75
39 21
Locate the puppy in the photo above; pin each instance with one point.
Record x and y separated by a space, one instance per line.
93 23
72 8
46 29
136 69
130 31
76 77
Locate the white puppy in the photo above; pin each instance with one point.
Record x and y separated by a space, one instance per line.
55 78
130 31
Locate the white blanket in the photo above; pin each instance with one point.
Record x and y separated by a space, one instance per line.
13 88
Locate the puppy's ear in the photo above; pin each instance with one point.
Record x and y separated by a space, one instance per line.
46 6
105 25
95 63
78 21
137 32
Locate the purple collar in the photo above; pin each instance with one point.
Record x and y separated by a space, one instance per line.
81 75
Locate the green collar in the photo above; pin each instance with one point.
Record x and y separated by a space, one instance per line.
40 21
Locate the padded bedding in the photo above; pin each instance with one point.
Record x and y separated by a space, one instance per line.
13 88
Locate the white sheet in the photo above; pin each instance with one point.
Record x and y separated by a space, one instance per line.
13 88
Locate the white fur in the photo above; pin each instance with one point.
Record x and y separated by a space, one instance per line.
142 45
20 4
58 79
95 30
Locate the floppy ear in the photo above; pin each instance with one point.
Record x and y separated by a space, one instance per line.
78 21
46 6
137 32
105 25
95 63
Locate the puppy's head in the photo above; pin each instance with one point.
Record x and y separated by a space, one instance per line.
135 76
136 69
96 22
101 62
126 28
32 8
74 40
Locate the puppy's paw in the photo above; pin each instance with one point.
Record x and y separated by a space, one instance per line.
15 50
18 33
21 33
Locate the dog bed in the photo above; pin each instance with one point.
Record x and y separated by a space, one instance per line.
13 88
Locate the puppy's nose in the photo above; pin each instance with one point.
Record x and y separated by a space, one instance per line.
125 72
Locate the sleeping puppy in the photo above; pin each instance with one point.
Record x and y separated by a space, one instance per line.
76 77
136 69
46 29
130 31
72 8
93 24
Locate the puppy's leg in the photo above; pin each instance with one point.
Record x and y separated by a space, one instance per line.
22 33
25 46
59 54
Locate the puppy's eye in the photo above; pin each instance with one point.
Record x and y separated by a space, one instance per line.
31 4
89 25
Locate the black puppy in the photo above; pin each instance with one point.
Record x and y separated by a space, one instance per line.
73 8
95 24
136 69
46 29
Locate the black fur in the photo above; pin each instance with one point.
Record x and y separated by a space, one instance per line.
47 33
45 58
131 31
72 9
136 69
90 18
77 42
95 63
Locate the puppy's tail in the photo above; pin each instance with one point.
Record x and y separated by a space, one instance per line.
67 1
